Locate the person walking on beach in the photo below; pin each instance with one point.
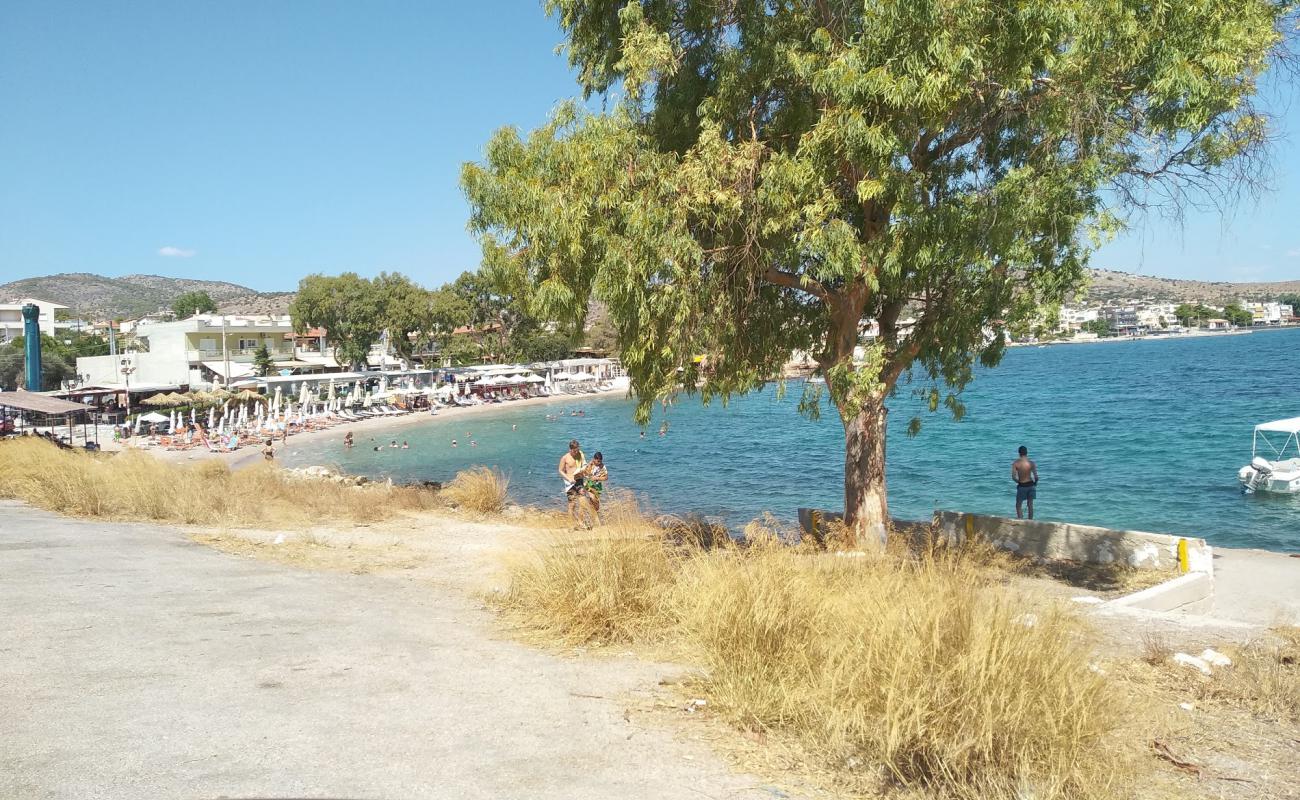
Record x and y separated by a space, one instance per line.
268 451
1025 473
570 469
596 475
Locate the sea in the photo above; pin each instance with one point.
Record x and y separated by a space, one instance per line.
1145 435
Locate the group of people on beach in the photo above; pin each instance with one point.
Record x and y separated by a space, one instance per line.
584 482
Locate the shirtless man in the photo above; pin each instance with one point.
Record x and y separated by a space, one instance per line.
1025 473
570 469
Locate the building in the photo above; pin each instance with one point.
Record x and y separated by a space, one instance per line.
11 317
1267 313
209 349
1123 321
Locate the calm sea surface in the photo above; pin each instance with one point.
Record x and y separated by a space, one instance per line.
1145 435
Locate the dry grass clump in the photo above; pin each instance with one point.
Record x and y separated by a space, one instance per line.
1264 677
605 589
137 486
912 672
480 489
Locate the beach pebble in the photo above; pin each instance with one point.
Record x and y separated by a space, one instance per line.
1215 658
1087 599
1186 706
1193 662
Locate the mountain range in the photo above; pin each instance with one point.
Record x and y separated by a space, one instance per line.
95 297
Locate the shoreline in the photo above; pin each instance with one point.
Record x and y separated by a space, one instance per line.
251 454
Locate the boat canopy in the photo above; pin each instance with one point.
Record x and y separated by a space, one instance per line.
1291 426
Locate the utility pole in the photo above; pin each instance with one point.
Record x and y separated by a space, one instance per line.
225 352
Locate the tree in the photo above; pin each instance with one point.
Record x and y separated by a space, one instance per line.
349 309
492 309
447 312
1098 326
1193 314
1238 316
406 311
777 173
191 303
262 363
58 364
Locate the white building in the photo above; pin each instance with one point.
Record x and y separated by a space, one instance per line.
1157 316
208 349
1267 313
11 317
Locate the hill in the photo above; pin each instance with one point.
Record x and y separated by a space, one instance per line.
97 297
1112 285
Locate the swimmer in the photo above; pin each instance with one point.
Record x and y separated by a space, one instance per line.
514 427
453 442
393 443
405 446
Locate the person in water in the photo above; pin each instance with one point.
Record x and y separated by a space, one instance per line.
1025 473
347 439
570 469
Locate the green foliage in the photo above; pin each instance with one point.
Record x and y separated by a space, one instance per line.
262 363
462 351
1098 326
777 172
348 307
1193 314
1238 316
530 343
191 303
58 360
1290 299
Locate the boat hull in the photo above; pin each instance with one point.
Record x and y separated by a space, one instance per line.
1273 481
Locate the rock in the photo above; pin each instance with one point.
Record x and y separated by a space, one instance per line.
1215 658
1186 706
1193 662
512 512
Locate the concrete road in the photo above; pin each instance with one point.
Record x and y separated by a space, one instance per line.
137 664
1256 586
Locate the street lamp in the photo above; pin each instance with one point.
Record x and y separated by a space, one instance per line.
126 371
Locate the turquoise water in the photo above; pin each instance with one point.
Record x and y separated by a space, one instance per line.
1145 435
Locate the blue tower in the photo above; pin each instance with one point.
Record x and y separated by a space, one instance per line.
32 340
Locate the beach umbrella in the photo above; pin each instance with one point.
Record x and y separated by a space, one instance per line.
329 393
306 394
275 404
138 422
367 402
212 416
159 399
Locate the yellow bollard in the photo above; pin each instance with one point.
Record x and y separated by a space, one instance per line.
970 527
1182 556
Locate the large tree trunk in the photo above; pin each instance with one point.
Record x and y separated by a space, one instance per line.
866 508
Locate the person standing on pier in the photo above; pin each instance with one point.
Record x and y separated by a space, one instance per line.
1025 473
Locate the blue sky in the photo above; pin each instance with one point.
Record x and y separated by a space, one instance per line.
258 142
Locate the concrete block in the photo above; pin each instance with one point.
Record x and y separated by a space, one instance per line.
1085 543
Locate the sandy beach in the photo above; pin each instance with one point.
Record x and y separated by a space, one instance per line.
251 453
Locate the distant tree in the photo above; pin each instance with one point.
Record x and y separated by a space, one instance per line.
406 311
530 342
58 364
447 311
191 303
1098 326
262 363
773 174
1238 316
1193 314
492 309
1290 299
349 309
463 350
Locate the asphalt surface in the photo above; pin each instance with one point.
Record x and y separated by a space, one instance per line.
137 664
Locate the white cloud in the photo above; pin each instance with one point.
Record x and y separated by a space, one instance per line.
175 252
1294 252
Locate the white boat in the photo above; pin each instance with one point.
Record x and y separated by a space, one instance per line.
1273 468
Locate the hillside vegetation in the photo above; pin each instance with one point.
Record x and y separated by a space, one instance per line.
96 297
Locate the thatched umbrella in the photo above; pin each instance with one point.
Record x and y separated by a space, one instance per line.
177 399
247 395
159 399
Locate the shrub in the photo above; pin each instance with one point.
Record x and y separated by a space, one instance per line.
479 489
134 485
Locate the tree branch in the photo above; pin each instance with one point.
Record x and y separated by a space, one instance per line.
791 281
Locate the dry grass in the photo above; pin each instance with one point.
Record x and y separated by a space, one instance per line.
139 487
914 672
479 489
1264 677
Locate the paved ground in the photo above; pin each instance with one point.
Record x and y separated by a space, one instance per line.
1256 586
137 664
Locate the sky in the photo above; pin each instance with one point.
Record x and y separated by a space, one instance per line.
259 142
